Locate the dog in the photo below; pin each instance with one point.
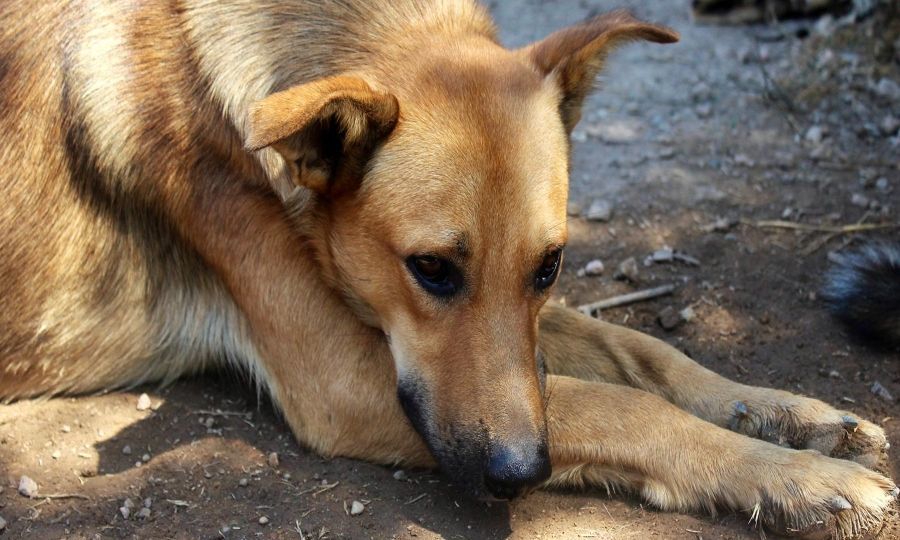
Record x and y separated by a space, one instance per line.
363 204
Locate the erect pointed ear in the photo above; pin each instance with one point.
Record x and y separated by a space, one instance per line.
325 130
573 56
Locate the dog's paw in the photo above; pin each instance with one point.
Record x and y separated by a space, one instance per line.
803 423
813 496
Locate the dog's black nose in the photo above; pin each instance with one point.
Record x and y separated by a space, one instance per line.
512 469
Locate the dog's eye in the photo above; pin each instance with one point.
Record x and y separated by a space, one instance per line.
546 274
437 276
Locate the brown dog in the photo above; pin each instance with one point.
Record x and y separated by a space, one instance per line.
396 233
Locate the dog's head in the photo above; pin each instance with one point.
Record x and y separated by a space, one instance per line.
441 185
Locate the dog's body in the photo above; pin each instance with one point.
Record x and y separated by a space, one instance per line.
142 241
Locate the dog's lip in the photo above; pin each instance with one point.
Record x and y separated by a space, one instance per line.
485 496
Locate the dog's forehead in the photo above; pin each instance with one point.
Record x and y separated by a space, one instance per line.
485 161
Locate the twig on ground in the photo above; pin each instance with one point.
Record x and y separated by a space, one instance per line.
221 413
623 299
62 496
823 240
836 229
417 498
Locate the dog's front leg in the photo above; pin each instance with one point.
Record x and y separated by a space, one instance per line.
583 347
614 436
331 375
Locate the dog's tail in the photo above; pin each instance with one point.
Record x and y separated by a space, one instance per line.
862 289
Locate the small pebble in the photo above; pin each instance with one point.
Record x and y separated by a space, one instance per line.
599 210
145 458
660 255
148 502
879 390
882 184
668 318
272 459
263 520
356 508
594 268
143 513
400 475
125 511
887 88
143 402
814 134
2 523
126 450
27 487
56 454
243 482
889 125
628 270
858 199
128 503
66 428
687 314
743 160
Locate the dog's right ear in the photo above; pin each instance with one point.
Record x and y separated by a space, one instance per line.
573 56
325 130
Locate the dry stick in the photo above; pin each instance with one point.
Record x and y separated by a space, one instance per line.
623 299
62 496
823 240
221 413
837 229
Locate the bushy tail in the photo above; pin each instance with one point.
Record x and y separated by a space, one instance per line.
862 289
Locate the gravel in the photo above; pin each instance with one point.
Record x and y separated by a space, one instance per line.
356 508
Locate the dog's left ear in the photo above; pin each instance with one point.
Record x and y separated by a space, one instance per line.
325 130
573 56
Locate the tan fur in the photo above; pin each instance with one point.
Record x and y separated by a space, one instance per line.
142 241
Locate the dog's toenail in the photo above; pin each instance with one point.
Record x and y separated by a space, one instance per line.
839 504
850 423
740 409
895 492
887 446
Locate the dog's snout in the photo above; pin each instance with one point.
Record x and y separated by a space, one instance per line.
511 469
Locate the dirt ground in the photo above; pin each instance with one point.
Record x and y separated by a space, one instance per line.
690 145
